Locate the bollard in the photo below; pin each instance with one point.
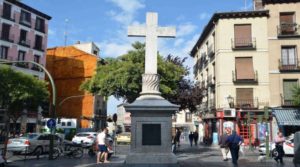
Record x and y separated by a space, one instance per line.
297 149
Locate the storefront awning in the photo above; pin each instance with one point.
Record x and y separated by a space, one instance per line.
287 117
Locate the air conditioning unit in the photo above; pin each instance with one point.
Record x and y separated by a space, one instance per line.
229 112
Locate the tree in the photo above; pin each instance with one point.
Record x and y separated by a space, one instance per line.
20 92
122 78
296 96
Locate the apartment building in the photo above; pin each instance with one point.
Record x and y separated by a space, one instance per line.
23 37
231 65
70 66
284 67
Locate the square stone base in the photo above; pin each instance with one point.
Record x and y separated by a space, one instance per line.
151 160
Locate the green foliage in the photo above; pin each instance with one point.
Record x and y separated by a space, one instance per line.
296 96
19 91
122 77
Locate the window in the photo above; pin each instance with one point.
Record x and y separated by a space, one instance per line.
5 35
3 52
242 35
63 124
288 55
6 10
287 23
40 24
244 68
188 117
288 86
244 97
38 42
23 35
69 123
21 55
36 58
25 18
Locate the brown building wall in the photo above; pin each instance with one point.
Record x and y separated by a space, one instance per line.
69 68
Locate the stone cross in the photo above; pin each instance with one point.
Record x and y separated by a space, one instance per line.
151 31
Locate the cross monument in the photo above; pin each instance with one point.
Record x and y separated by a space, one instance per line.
151 31
151 114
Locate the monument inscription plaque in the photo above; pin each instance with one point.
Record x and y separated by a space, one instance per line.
151 134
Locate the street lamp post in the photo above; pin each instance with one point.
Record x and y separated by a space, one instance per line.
53 115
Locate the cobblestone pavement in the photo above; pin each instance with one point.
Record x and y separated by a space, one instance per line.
188 157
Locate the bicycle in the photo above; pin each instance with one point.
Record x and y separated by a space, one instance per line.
74 151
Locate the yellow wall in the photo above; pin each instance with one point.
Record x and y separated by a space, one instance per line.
276 78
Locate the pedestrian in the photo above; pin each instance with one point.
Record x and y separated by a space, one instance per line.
224 146
177 137
279 140
196 137
102 148
234 141
191 138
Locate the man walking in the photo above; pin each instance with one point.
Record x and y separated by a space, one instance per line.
224 146
279 140
177 137
102 146
196 137
191 138
234 141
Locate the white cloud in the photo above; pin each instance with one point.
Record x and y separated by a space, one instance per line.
128 9
51 32
185 29
178 42
204 16
112 49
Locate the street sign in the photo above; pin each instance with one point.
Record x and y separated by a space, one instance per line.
51 123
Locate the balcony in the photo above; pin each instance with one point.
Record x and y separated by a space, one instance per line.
288 30
203 86
210 80
246 103
7 37
211 52
235 80
285 67
22 65
24 42
286 102
243 43
8 16
39 48
36 68
212 104
25 23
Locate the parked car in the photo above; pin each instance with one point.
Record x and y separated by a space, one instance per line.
288 147
86 138
32 143
123 138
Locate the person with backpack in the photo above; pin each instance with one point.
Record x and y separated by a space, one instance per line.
234 141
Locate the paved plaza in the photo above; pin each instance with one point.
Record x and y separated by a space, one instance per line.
188 157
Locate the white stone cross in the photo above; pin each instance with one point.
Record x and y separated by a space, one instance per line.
151 32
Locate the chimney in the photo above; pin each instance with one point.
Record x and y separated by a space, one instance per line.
258 4
78 42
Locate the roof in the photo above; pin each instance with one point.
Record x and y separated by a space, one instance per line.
279 1
26 7
225 15
287 117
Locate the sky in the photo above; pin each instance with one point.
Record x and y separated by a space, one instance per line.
105 22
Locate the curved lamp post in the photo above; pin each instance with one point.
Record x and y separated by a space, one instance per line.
53 114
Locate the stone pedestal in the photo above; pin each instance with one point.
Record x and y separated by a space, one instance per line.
151 137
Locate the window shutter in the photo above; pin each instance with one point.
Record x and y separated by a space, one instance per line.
286 18
244 68
242 35
288 87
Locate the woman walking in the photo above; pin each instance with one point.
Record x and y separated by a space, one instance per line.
279 140
234 141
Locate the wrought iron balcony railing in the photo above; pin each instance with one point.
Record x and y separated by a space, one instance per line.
253 80
286 66
243 43
211 51
24 42
246 103
286 102
288 30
